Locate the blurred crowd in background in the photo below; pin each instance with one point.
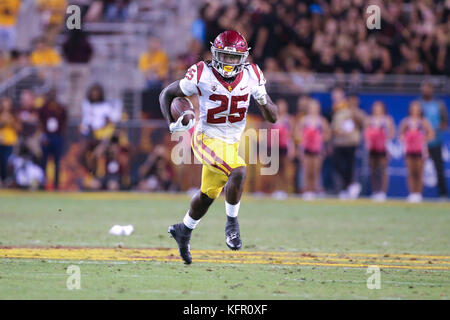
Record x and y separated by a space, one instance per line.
291 36
286 36
323 36
330 36
103 158
35 131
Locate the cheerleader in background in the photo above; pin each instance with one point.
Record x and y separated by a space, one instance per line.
314 131
379 129
415 132
284 126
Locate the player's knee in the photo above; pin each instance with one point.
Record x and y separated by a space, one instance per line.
237 176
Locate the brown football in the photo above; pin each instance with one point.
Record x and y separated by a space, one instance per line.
178 106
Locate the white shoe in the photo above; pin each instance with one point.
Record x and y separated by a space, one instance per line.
415 198
379 197
309 196
279 195
419 197
354 190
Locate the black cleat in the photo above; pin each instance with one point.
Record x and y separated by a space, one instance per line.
232 234
182 238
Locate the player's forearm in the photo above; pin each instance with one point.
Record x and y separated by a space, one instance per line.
269 110
169 93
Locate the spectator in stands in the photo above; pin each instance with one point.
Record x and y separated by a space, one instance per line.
346 124
18 60
186 59
415 131
111 158
442 45
98 115
89 178
436 113
275 76
198 26
53 118
209 15
112 180
157 173
4 60
313 131
105 164
94 12
116 10
379 129
9 10
110 10
331 36
27 172
154 64
8 136
77 53
28 117
44 55
52 17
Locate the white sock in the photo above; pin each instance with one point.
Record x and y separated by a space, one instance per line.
232 210
189 222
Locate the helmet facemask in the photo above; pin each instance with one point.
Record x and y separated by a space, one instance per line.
228 62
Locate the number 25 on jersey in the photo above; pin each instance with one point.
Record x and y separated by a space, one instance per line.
235 114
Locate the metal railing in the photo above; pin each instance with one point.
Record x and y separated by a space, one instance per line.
25 78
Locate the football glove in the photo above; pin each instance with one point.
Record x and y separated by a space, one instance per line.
178 126
261 97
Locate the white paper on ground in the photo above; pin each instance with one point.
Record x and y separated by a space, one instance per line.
118 230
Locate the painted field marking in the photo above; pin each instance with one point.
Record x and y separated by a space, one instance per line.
358 260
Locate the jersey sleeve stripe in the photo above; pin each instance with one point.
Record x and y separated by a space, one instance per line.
255 68
199 70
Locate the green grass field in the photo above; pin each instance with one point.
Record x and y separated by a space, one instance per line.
393 234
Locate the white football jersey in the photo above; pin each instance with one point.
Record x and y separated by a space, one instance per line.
223 105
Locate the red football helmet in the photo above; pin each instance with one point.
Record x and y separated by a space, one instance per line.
229 52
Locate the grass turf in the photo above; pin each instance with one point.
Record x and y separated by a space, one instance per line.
50 219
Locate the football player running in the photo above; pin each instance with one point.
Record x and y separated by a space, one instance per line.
224 86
